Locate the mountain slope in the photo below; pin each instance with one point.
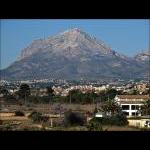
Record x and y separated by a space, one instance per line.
143 56
72 55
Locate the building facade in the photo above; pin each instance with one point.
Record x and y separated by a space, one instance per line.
131 104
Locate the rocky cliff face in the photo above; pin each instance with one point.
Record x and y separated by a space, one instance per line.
143 56
72 42
72 55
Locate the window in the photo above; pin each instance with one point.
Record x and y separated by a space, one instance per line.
135 107
126 113
125 107
135 114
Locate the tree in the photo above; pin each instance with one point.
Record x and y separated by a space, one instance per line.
145 109
119 119
4 91
76 96
148 91
111 107
1 122
24 91
37 117
135 92
50 92
72 118
111 93
95 125
7 95
19 113
95 110
107 94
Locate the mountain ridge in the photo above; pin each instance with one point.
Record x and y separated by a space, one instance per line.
72 54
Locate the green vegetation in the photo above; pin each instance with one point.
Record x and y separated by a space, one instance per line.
108 94
19 113
145 129
4 91
116 120
73 119
111 107
95 110
113 117
24 92
10 98
38 99
145 109
94 125
76 96
37 117
7 127
50 91
1 122
148 91
7 96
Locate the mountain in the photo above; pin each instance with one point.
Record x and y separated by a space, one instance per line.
144 59
143 56
72 55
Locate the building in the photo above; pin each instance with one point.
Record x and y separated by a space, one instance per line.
141 87
141 123
39 92
131 104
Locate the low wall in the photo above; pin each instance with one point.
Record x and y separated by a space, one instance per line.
137 122
7 114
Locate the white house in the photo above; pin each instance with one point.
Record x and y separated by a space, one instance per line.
131 104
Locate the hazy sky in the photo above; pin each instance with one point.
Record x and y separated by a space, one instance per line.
124 36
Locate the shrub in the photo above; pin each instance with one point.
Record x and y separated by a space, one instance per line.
19 113
94 125
44 118
7 127
95 110
118 120
37 117
1 122
72 118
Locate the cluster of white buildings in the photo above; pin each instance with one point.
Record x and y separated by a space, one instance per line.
129 88
83 88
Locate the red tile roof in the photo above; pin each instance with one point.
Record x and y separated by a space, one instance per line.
133 97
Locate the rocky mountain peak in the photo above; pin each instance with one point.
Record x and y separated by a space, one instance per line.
73 30
77 41
143 56
73 55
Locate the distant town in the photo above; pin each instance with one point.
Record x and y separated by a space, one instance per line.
62 87
75 105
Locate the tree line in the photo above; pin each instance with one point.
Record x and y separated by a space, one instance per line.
23 96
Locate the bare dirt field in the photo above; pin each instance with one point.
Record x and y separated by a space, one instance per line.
24 123
117 128
14 118
49 108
